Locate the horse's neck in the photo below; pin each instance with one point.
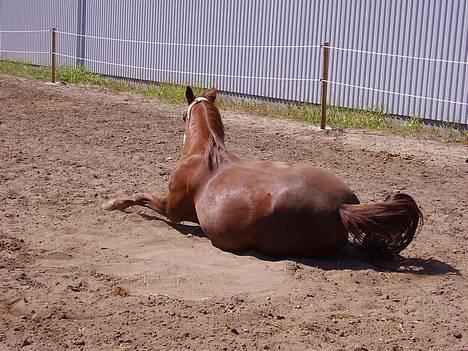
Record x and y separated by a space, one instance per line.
210 147
200 135
195 147
206 139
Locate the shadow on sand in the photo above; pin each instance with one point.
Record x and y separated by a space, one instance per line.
352 257
185 229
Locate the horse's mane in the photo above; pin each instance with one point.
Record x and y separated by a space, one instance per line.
216 152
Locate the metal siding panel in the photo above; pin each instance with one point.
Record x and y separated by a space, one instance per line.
270 10
243 69
279 10
290 55
449 39
390 64
263 68
28 12
160 38
463 55
345 59
169 38
312 56
446 87
406 51
350 38
409 82
282 55
334 27
303 39
439 50
2 10
455 69
460 71
140 48
383 98
208 50
223 37
232 67
365 60
425 28
398 47
222 16
375 80
249 23
303 69
209 38
182 52
317 39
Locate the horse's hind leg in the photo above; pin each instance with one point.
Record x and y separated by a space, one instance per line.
153 202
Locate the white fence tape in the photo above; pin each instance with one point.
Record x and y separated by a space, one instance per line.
190 73
398 56
25 52
397 93
193 44
25 31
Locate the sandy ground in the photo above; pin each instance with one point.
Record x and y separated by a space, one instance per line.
75 277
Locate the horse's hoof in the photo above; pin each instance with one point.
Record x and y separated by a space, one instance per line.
107 205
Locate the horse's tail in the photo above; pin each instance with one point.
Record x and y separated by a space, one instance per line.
387 227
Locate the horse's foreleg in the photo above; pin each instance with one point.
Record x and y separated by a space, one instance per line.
156 203
176 206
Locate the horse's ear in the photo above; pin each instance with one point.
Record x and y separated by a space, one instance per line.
211 95
189 95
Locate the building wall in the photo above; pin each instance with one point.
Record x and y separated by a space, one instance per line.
417 28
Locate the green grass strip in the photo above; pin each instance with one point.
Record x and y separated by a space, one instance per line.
345 118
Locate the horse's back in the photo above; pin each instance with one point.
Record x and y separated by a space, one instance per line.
279 208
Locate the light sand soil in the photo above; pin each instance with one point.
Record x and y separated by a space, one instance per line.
73 276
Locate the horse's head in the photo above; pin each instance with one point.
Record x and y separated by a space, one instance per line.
202 119
209 95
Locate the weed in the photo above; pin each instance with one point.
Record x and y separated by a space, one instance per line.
414 124
78 75
452 132
352 118
434 132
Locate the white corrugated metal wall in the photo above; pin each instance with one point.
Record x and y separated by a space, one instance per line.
419 28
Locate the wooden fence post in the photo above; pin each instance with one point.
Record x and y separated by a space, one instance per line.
52 55
324 81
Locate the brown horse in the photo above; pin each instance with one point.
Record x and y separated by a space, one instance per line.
279 208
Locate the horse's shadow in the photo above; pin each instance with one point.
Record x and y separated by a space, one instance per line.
352 257
185 229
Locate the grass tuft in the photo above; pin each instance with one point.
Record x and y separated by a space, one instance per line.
414 124
78 75
24 70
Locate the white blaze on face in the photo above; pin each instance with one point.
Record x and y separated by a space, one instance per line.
189 110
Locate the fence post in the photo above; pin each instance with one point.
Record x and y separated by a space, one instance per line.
52 56
324 81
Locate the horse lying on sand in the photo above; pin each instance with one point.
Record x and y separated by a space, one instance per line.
281 209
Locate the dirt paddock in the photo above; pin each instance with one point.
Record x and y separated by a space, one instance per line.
75 277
